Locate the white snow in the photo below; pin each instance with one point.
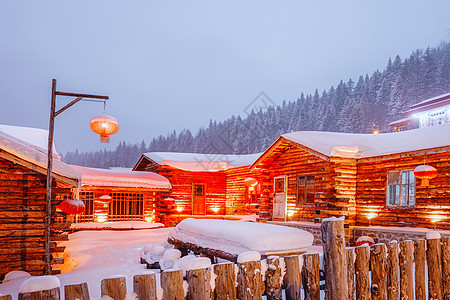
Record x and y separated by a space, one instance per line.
15 275
201 162
433 235
248 256
352 145
236 237
170 257
155 253
116 225
39 283
121 178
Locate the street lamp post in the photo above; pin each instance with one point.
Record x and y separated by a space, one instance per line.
51 128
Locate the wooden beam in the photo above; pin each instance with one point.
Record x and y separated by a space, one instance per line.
89 96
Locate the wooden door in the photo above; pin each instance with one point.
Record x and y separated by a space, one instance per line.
279 197
198 199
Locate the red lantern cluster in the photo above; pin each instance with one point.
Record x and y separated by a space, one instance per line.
72 207
105 126
425 173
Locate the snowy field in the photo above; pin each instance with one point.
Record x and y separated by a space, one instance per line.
91 256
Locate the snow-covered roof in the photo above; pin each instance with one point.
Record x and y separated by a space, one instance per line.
31 153
201 162
371 145
121 178
36 137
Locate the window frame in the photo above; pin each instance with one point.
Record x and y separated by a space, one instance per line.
297 202
400 187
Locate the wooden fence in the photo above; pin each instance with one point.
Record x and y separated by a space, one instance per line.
377 272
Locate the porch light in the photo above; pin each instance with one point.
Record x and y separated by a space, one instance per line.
371 215
105 126
215 209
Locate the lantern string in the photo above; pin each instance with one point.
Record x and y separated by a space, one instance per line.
104 107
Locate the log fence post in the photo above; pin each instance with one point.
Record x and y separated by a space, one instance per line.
446 267
145 286
392 271
52 294
250 284
225 281
406 270
419 269
293 277
274 280
378 271
434 269
6 297
333 241
362 273
311 276
172 285
115 288
76 291
199 281
350 256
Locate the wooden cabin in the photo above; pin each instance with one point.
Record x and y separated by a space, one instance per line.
23 175
206 184
120 195
364 177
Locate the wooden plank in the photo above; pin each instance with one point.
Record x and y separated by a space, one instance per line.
362 273
274 280
350 256
311 276
145 286
445 267
378 271
76 291
406 270
250 284
419 269
392 271
225 281
172 285
434 268
293 278
199 281
115 288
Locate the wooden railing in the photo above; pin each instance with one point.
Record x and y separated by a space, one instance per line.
377 272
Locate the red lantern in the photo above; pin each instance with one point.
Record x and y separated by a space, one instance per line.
249 181
364 240
73 207
105 126
425 173
105 198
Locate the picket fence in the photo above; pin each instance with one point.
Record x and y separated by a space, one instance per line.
393 271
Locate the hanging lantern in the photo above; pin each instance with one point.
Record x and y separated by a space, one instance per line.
105 126
72 207
425 173
105 198
249 181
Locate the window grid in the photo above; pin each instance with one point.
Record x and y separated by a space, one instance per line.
305 189
88 214
126 207
401 188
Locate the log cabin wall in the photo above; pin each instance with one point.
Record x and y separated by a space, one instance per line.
183 184
430 202
22 198
241 199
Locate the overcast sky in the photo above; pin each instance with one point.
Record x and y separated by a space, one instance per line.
177 64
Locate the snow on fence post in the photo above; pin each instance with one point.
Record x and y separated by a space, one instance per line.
293 278
419 269
199 281
392 271
362 272
378 271
115 288
274 279
225 281
350 256
406 270
144 286
172 285
76 291
446 267
6 297
311 276
52 294
250 284
333 241
434 268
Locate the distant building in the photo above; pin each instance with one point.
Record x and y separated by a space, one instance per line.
433 111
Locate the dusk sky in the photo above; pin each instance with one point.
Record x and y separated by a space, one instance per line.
169 65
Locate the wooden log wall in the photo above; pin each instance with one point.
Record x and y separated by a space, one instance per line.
22 198
182 182
431 200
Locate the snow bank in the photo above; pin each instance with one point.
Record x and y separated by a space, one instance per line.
170 257
40 283
236 237
248 256
15 275
191 262
154 254
117 225
433 235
